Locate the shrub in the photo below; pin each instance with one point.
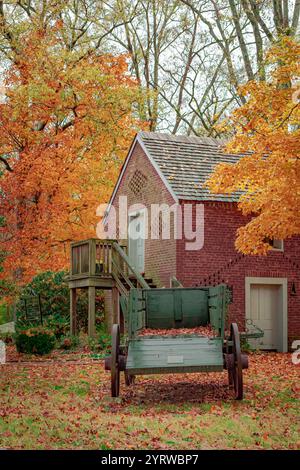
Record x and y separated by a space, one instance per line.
7 338
69 342
245 346
37 340
53 290
58 324
101 343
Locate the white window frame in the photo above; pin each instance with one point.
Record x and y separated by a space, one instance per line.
273 248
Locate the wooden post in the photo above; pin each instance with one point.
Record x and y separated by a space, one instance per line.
73 311
91 318
116 305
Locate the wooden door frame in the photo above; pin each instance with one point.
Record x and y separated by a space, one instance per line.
138 213
282 282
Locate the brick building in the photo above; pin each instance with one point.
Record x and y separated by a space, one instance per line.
170 170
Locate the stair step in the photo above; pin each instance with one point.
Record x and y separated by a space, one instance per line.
133 280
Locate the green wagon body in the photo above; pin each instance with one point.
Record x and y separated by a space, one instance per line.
159 354
175 308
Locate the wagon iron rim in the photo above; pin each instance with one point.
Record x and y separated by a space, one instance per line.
114 368
235 374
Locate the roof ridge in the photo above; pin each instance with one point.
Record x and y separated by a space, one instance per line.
193 139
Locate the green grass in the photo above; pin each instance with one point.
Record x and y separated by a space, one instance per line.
59 406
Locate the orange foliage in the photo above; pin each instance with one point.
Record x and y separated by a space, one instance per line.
268 126
65 124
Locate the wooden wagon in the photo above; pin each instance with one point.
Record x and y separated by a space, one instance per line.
159 354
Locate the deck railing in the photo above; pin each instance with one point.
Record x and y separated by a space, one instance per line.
91 257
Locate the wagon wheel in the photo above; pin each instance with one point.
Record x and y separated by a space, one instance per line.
115 371
129 379
235 374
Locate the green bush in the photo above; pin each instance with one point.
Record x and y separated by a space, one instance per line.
69 342
101 343
37 340
245 346
7 338
58 324
54 295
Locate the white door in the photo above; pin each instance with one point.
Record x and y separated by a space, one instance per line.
136 239
266 313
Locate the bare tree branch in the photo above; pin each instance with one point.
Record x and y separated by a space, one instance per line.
6 164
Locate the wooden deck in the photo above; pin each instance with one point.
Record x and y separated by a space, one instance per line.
91 269
100 264
100 282
91 264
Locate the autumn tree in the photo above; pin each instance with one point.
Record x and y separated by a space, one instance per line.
195 54
267 128
192 55
66 120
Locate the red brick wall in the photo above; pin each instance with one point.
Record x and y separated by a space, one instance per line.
218 261
160 255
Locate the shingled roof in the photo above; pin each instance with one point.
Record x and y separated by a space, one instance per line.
186 162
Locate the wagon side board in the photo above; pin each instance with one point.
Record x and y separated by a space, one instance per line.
174 354
217 305
176 308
